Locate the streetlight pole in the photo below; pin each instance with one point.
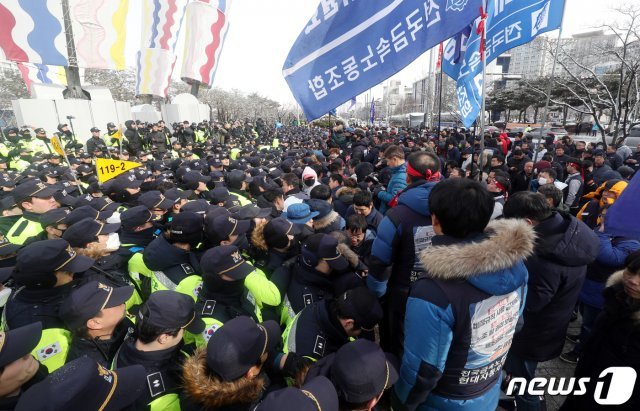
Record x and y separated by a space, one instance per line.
74 88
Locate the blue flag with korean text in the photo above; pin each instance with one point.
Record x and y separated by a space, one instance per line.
510 23
349 46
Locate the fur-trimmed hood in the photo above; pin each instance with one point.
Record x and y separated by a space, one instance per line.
213 393
326 221
493 263
346 191
616 279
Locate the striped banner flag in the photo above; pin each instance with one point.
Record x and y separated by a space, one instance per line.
161 23
100 32
32 31
206 29
42 74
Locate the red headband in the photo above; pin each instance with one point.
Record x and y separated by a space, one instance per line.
429 175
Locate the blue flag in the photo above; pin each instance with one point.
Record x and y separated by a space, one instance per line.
353 103
349 46
510 23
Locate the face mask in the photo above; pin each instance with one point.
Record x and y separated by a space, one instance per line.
114 219
113 242
542 181
309 182
4 296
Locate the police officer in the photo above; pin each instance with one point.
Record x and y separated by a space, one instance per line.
224 295
157 203
137 229
237 183
110 137
169 261
361 372
321 272
53 222
44 273
160 325
229 373
325 326
316 394
95 314
85 385
19 368
195 181
95 144
34 199
23 160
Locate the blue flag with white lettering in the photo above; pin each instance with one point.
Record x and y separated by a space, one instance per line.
349 46
510 23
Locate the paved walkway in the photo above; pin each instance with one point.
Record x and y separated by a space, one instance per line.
558 369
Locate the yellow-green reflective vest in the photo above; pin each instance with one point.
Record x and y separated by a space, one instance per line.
211 324
189 285
18 164
53 348
22 230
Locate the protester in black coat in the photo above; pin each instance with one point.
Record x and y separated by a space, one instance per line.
557 270
133 138
614 341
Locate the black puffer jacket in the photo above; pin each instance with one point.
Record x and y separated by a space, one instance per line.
614 342
556 272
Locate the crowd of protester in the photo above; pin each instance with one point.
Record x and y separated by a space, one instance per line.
247 267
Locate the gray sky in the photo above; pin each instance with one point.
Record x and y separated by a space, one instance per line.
262 31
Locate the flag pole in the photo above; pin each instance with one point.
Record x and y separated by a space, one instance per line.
551 79
440 56
484 88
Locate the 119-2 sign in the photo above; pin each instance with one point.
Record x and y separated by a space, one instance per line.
112 168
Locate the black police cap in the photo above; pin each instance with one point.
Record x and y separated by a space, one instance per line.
235 348
86 301
83 384
167 309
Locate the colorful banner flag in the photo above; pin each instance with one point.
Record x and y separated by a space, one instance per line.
100 32
350 46
509 24
155 67
161 23
206 27
32 31
42 74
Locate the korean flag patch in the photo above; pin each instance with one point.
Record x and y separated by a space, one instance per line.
209 331
49 351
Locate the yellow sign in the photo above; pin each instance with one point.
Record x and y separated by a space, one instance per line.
55 142
117 135
108 169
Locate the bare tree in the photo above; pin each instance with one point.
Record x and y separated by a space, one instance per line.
588 92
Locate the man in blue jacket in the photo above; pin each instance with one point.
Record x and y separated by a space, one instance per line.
402 234
462 314
395 161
